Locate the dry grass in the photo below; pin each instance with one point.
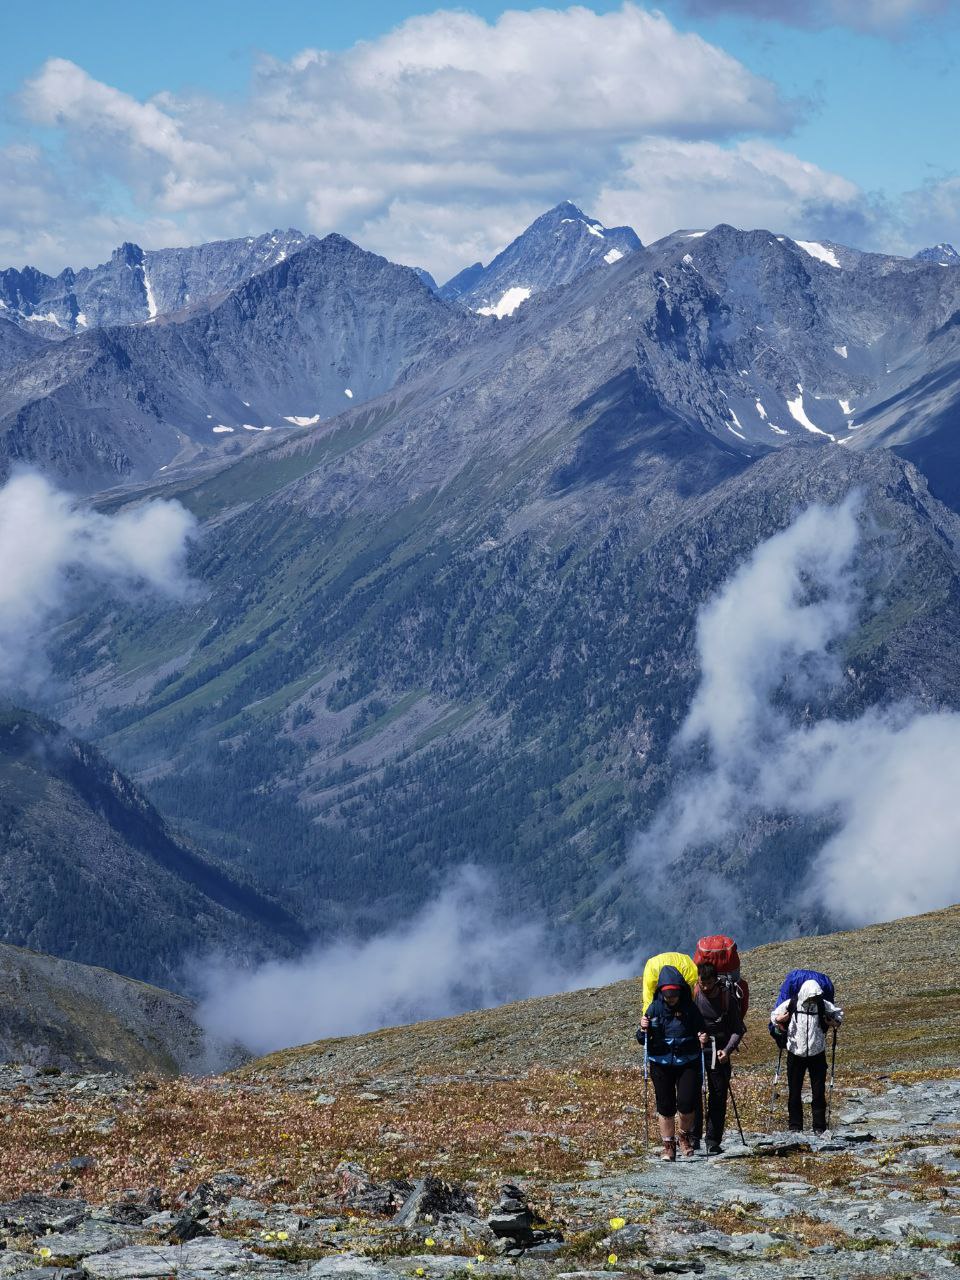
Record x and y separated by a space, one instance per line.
461 1131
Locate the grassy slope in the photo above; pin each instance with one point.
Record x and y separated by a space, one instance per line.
892 979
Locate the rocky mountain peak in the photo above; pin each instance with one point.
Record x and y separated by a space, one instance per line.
944 253
555 249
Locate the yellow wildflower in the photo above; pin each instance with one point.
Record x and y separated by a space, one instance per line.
283 1235
419 1271
429 1242
44 1253
611 1259
617 1223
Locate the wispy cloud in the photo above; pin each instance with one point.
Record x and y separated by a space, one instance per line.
877 16
884 780
51 548
464 950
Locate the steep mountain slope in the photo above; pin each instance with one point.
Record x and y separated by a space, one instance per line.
559 246
486 658
54 1013
327 326
137 285
897 1015
90 872
16 344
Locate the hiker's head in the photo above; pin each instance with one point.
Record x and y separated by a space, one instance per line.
671 994
708 975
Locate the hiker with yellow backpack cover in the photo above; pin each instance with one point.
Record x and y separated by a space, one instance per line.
673 1033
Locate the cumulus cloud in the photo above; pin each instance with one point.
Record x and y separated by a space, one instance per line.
884 780
51 547
666 183
883 16
462 951
411 141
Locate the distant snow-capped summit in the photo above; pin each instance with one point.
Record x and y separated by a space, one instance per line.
942 253
555 249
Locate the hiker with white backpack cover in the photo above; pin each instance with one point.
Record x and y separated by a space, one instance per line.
803 1021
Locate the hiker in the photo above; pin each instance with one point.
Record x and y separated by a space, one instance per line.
720 1006
804 1020
676 1032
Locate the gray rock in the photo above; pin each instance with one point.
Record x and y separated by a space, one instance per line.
89 1238
196 1257
36 1214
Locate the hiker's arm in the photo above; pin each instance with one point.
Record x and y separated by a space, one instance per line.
724 1053
833 1012
781 1014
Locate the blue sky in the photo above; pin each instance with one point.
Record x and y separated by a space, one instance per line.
844 129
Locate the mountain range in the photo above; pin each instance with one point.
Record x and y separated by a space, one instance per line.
449 598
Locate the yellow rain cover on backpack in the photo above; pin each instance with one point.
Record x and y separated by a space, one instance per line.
651 972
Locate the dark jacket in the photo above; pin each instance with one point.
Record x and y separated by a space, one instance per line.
673 1032
721 1013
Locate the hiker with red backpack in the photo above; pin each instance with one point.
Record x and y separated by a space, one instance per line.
722 996
800 1023
725 1029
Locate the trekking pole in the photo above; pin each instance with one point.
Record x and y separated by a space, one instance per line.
736 1110
646 1093
833 1071
773 1091
703 1086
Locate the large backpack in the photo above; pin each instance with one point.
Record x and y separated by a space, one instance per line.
651 972
790 989
721 952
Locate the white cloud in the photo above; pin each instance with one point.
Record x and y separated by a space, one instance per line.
438 142
886 779
448 119
666 184
462 951
50 546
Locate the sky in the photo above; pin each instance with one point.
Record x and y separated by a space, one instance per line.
435 135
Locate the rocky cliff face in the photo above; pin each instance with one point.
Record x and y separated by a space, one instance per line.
137 285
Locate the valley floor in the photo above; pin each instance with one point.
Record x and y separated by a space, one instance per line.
106 1178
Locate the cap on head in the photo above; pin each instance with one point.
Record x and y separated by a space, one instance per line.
670 986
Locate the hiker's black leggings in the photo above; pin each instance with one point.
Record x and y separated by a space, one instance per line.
796 1069
676 1087
718 1089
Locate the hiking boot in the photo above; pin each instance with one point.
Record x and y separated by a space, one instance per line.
686 1145
669 1151
714 1148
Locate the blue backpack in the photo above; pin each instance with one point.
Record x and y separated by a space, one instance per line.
790 988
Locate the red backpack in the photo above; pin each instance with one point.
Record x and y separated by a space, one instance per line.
721 951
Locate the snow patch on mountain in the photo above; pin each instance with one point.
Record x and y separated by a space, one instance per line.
841 351
299 421
798 413
612 256
819 251
507 304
